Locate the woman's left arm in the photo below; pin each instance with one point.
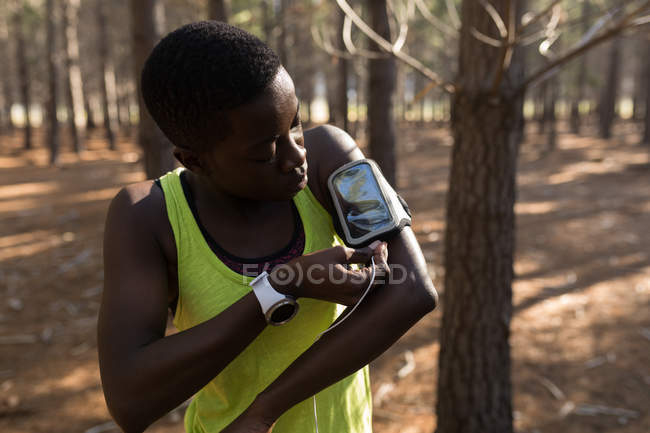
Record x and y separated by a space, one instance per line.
380 320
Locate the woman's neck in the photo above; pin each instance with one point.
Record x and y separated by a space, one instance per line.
227 205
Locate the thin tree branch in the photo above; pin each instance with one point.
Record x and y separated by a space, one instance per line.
404 27
453 14
531 39
529 21
509 37
485 38
326 46
349 44
641 20
437 23
584 45
388 47
496 18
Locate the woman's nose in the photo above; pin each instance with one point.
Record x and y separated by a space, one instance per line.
294 156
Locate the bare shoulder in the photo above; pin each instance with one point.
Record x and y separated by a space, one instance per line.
139 209
328 148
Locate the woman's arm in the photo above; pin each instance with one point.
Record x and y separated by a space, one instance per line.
385 315
145 374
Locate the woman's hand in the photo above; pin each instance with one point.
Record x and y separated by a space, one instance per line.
325 275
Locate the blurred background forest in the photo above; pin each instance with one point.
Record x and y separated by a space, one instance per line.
482 113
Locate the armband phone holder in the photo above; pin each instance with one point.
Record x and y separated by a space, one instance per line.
367 207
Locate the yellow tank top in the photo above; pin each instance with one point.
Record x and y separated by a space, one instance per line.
206 287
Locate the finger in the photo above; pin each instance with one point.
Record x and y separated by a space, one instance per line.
359 255
380 252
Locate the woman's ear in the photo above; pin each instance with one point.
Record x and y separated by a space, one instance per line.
189 159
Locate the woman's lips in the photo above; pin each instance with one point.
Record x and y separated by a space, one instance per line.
300 182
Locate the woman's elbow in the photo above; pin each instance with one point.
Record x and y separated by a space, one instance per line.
125 410
424 294
128 417
416 294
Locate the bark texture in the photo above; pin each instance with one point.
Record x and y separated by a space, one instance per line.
52 80
646 130
23 76
73 86
7 88
146 28
219 10
342 66
381 85
581 77
107 85
474 387
607 105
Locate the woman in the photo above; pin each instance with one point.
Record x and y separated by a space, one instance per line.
251 198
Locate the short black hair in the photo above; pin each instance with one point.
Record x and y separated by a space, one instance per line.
200 70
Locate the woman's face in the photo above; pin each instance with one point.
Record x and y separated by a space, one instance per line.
263 156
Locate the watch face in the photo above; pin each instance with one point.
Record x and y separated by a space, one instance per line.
283 313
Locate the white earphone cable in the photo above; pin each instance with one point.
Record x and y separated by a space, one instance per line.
372 280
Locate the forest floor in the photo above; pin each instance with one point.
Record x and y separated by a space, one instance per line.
581 322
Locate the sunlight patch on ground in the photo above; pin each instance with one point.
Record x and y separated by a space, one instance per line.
535 208
28 188
46 241
27 205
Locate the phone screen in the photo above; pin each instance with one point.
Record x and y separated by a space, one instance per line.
363 205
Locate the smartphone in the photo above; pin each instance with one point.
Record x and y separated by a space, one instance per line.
367 207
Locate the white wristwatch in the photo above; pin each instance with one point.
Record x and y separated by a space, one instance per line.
277 308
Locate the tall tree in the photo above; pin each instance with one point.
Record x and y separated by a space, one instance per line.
342 66
53 122
581 76
73 86
267 21
282 18
107 81
607 103
474 388
381 85
219 10
23 73
646 129
147 26
640 77
5 77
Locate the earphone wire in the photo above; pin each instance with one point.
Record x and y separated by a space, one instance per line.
372 280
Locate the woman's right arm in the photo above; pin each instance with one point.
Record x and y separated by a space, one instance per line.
145 374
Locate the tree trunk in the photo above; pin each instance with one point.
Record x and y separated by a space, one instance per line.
73 85
474 387
646 130
549 114
342 66
90 114
7 88
607 105
219 10
381 84
23 75
640 79
107 82
542 110
581 77
146 27
52 79
282 34
267 21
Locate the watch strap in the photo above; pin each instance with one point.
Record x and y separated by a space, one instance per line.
266 295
